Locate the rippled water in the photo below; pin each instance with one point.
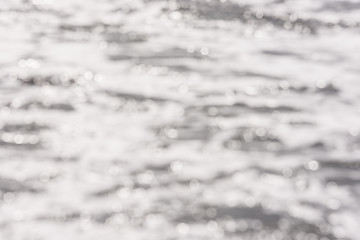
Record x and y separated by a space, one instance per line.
179 119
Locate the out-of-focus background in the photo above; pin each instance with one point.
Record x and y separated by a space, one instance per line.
179 119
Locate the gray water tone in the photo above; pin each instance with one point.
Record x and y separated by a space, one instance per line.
179 119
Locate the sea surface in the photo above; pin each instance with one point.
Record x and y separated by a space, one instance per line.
179 119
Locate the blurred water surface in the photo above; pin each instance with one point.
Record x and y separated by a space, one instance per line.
179 119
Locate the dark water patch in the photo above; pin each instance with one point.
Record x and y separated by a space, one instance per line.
266 108
37 104
257 212
124 37
316 147
353 142
89 28
223 176
143 185
169 67
215 110
340 164
180 68
282 53
300 123
213 93
63 216
63 80
249 74
271 109
45 80
262 170
23 127
12 185
167 54
228 11
254 139
127 9
107 191
329 89
300 229
233 110
298 89
343 181
137 97
185 132
336 6
252 222
161 168
234 213
65 159
102 217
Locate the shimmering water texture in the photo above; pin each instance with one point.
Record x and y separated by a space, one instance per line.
179 119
